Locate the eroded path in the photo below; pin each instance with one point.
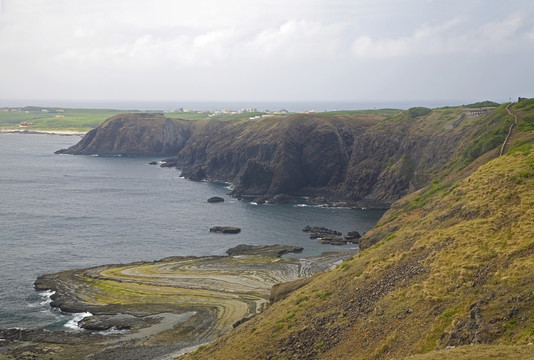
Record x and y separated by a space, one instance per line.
510 130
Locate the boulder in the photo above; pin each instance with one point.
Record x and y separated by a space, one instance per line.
225 229
215 199
168 163
260 200
153 163
352 235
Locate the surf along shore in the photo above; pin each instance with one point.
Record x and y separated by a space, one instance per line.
165 308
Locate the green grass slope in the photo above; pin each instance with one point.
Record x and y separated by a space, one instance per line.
452 277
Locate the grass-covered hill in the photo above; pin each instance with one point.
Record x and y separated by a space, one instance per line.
52 119
447 274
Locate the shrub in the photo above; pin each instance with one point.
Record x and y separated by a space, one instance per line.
526 123
418 111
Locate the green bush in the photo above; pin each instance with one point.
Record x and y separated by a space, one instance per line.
526 123
486 142
482 104
418 111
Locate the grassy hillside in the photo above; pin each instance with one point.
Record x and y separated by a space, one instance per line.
54 118
453 266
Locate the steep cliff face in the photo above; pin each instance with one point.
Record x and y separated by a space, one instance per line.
366 159
274 155
134 134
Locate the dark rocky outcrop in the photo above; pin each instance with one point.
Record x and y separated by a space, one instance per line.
116 322
365 160
225 229
263 250
215 199
352 235
316 231
332 240
134 135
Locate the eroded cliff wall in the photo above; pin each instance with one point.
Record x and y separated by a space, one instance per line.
368 160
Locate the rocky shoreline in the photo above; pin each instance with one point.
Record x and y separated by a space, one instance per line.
155 310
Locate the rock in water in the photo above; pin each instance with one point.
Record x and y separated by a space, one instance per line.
352 235
263 250
282 199
215 199
226 229
332 240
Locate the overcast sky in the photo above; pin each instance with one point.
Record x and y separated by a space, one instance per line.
272 50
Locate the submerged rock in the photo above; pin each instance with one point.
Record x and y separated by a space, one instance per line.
226 229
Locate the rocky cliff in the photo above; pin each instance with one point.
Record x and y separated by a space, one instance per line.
134 135
368 160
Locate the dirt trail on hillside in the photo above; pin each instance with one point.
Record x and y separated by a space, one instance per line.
503 147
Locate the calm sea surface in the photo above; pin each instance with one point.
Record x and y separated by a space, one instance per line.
59 212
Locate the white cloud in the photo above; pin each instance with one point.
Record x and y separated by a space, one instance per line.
322 48
454 36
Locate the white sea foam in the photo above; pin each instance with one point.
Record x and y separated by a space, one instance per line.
47 297
73 323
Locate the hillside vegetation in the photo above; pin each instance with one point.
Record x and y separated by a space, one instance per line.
50 119
449 266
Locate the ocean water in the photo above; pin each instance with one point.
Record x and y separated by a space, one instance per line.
59 212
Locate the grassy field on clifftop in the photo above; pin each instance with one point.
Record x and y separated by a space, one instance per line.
450 278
